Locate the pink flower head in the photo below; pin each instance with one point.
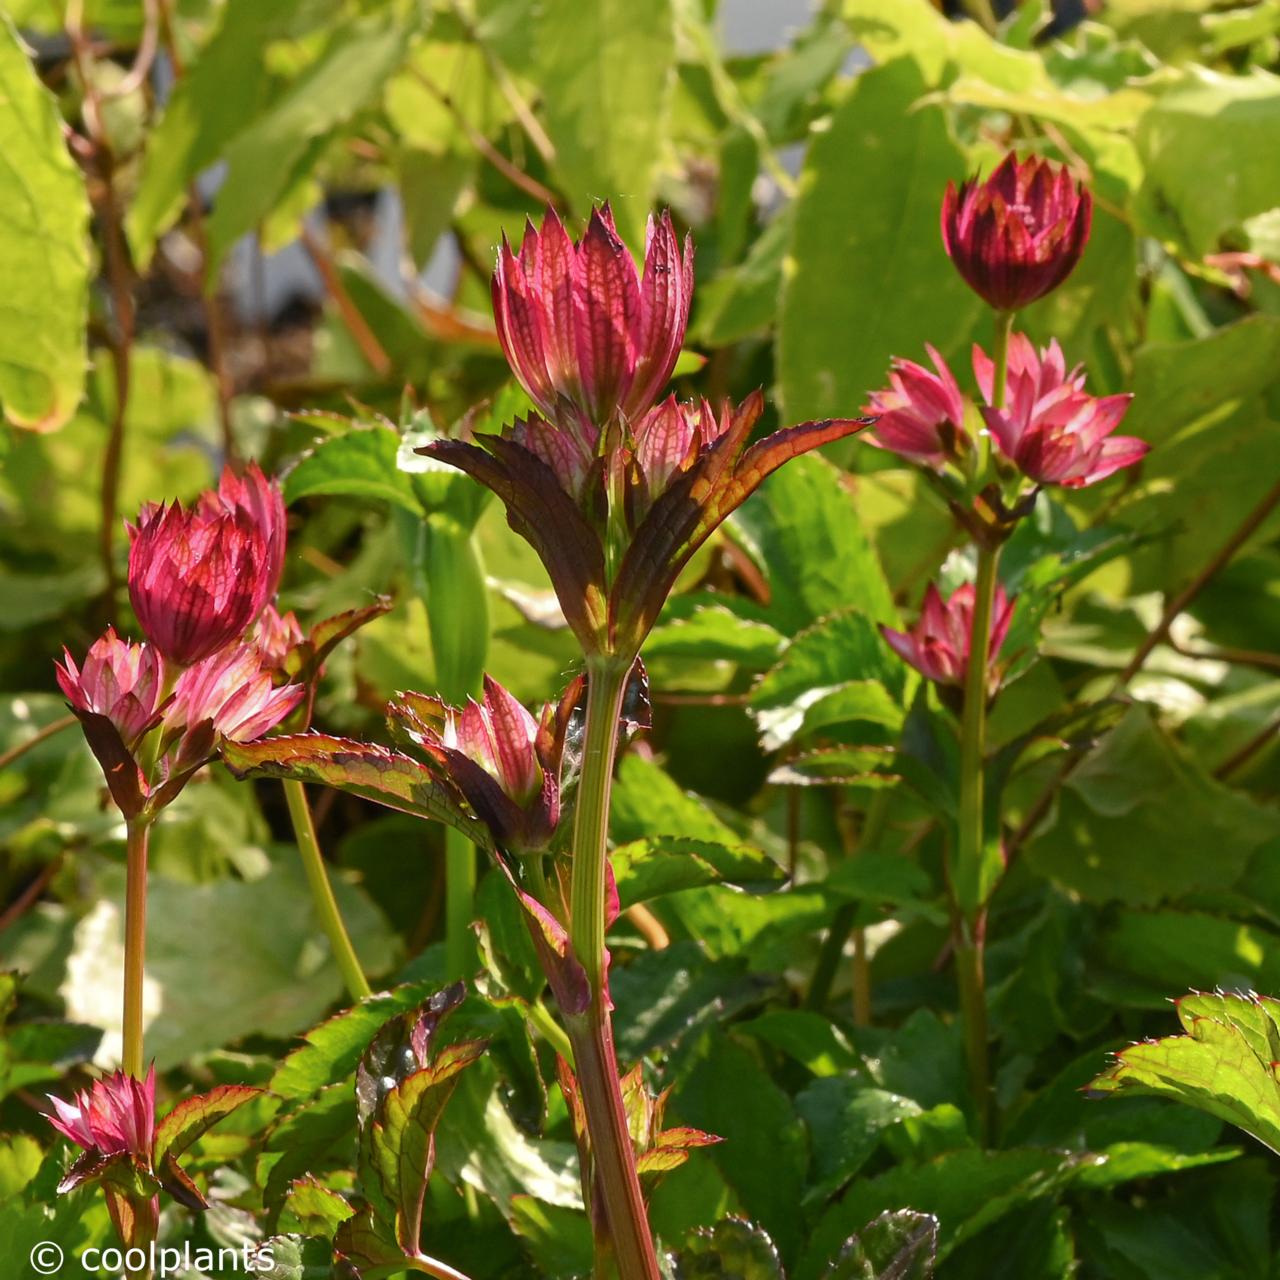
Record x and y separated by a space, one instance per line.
921 416
1019 234
938 645
199 577
275 636
504 763
119 680
229 696
115 1115
1050 427
582 329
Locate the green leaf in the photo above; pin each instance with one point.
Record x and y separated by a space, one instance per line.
363 769
606 68
269 157
663 997
884 880
731 1250
201 118
358 464
312 1209
1117 838
842 655
293 1257
44 251
307 1141
809 1038
20 1158
845 1118
275 972
649 868
763 1154
867 263
899 1245
193 1116
1225 1064
966 1190
557 1238
700 627
1209 123
805 528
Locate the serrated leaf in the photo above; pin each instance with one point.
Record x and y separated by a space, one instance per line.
364 769
649 868
712 632
842 654
360 463
44 251
312 1209
1226 1064
193 1116
899 1245
292 1257
731 1250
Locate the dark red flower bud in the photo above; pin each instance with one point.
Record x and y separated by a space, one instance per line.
1019 234
198 578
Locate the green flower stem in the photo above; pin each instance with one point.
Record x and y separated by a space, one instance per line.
135 942
1000 378
591 1032
451 581
966 874
552 1032
459 903
326 904
606 682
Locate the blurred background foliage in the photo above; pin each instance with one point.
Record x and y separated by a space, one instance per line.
269 233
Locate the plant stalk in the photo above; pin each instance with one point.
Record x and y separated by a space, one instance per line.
135 942
459 902
326 904
970 843
591 1032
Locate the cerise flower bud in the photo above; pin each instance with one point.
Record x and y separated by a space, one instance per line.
1019 234
1053 430
504 763
228 696
119 680
938 645
921 416
276 635
588 336
114 1116
199 577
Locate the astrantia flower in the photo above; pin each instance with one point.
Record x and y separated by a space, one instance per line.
275 636
230 697
505 764
938 645
199 577
589 337
1020 233
114 1120
119 680
114 1116
1050 427
921 416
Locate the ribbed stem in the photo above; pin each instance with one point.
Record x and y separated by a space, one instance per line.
326 904
135 943
591 1033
